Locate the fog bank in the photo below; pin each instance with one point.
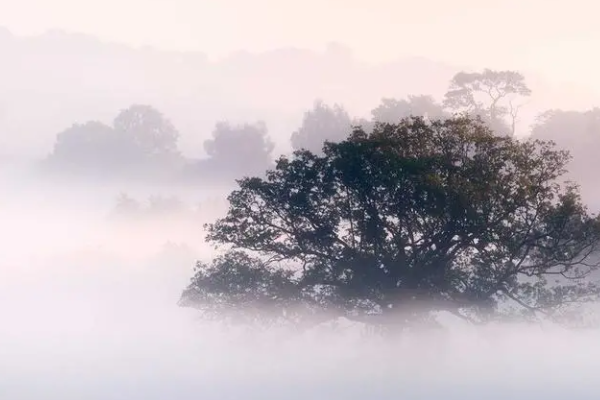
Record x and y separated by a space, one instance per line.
86 316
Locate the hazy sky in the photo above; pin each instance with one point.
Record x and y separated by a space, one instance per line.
549 35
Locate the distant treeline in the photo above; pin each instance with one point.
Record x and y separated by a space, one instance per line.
142 142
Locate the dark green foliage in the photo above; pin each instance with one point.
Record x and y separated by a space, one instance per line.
412 218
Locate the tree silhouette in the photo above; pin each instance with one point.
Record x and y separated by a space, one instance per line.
489 94
238 150
88 146
579 133
141 140
391 226
573 130
393 110
151 134
366 125
319 124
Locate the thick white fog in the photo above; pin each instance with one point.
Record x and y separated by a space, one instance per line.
88 310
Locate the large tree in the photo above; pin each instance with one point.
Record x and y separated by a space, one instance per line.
390 226
492 95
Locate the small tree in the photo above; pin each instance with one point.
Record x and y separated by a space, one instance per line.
413 218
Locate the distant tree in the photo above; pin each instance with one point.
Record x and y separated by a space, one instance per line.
239 150
148 131
141 140
89 146
366 125
579 133
576 130
389 227
393 110
489 94
321 123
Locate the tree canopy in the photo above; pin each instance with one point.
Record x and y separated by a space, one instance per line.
391 226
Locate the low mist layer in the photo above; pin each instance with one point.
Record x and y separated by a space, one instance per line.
88 311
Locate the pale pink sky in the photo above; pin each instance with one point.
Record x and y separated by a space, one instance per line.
556 37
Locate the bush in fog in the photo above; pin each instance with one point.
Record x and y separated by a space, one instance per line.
162 205
126 207
392 226
157 206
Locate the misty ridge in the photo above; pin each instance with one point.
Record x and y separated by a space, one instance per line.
80 80
175 226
